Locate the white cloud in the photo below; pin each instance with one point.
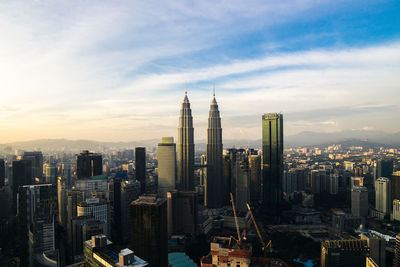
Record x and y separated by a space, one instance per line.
95 71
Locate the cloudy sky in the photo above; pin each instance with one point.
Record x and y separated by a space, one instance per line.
116 70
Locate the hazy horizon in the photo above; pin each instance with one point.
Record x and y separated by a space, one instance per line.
117 71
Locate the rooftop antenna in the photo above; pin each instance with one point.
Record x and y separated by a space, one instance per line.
186 88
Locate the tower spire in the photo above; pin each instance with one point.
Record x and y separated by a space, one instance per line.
214 90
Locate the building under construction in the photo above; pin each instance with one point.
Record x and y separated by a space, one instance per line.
225 252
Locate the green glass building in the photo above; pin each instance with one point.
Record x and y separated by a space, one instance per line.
272 162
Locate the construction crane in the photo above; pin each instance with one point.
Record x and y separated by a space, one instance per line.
236 221
269 244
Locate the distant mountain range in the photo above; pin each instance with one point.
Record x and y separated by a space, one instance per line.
356 137
346 138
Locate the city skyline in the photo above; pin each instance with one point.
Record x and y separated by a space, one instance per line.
85 70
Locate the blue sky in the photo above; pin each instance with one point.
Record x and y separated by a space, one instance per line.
116 70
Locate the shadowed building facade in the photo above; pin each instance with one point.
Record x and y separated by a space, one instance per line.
213 195
140 167
272 145
88 164
149 233
185 147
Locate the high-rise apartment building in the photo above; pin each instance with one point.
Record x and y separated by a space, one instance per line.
149 233
166 165
185 158
272 145
359 201
383 197
213 185
88 164
140 166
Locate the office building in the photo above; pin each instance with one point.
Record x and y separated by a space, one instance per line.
359 201
185 148
149 232
166 165
88 164
66 172
50 170
272 145
384 168
241 181
2 172
32 198
130 191
182 212
99 251
41 236
140 166
95 184
395 182
213 185
383 198
36 157
62 201
337 253
83 228
377 248
94 207
22 175
255 178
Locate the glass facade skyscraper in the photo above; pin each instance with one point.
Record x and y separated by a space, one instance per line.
272 163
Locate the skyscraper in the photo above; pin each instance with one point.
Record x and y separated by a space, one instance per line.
22 175
255 181
140 166
213 188
2 172
383 197
185 147
37 163
149 233
272 145
166 165
182 212
88 164
384 168
359 201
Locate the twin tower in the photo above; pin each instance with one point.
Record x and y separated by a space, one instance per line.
213 191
